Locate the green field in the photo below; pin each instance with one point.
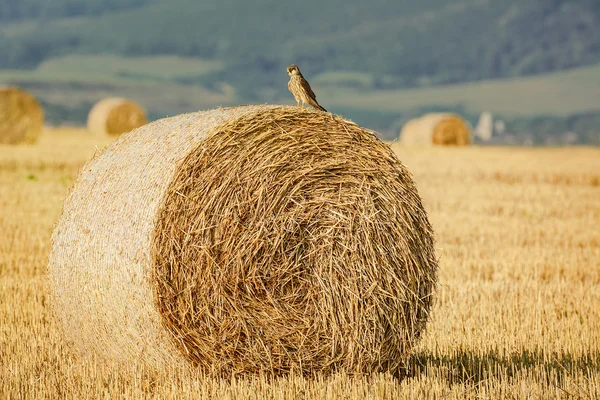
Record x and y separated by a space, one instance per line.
113 69
144 78
560 94
68 86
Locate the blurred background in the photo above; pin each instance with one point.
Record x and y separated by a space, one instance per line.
519 71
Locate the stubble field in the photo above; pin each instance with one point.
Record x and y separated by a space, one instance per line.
518 305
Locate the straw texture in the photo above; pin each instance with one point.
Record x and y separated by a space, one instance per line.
21 117
114 116
436 129
246 240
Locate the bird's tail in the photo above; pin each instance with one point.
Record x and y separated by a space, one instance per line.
317 106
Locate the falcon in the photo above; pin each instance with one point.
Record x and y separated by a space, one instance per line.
301 89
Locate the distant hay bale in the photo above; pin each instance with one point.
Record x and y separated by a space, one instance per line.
114 116
437 129
245 240
21 116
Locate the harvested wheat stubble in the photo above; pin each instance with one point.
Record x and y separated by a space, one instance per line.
242 240
115 116
437 129
21 117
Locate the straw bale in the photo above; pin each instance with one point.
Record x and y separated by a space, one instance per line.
436 129
245 240
115 116
21 117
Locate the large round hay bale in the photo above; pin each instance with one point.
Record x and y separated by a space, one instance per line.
114 116
436 129
242 240
21 116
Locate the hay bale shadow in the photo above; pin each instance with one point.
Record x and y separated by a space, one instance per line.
469 367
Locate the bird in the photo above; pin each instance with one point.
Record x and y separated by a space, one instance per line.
301 89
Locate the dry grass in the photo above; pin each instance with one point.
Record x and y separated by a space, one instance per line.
518 308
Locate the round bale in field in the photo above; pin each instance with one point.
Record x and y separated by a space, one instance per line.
21 116
436 129
114 116
245 240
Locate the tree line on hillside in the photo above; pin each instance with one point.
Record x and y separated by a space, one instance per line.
19 10
401 45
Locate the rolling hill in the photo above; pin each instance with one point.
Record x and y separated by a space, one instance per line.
398 44
397 57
